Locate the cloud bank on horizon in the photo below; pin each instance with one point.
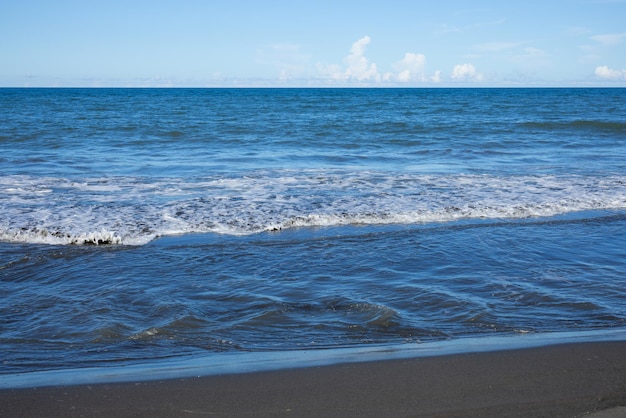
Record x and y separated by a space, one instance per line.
357 68
411 68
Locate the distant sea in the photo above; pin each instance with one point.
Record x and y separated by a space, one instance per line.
145 225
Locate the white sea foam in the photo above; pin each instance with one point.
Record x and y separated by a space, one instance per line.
135 210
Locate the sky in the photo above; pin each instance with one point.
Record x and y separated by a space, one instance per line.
321 43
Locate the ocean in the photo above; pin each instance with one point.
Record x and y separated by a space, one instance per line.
147 226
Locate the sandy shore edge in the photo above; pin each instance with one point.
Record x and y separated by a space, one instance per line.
565 380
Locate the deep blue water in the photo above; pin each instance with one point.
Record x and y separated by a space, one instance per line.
251 220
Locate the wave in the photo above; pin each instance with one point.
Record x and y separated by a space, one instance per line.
579 124
56 237
136 210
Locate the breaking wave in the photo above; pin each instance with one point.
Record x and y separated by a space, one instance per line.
136 210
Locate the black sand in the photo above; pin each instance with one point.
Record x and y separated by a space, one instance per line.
566 380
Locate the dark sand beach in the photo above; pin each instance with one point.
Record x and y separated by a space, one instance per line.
566 380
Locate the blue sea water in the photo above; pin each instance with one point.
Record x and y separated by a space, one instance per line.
139 225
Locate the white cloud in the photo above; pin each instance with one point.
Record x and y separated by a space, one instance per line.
577 31
436 78
410 68
331 71
357 66
465 72
607 73
610 38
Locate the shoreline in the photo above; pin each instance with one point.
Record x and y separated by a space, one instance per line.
569 379
226 363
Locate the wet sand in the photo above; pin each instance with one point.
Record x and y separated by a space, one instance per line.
567 380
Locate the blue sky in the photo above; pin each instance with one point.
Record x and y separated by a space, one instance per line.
313 43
